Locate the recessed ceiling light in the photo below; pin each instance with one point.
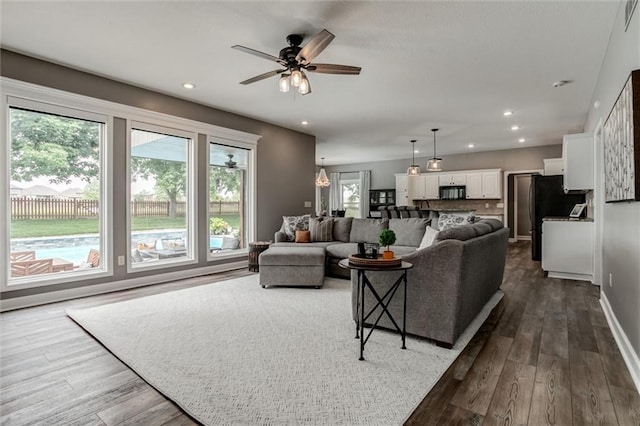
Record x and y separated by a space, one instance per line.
188 85
416 151
521 140
304 122
470 145
515 127
507 113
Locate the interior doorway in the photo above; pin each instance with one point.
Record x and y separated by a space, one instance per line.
522 223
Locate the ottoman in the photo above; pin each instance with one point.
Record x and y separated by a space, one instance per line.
292 266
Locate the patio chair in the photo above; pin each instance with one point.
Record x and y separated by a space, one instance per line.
94 258
24 268
18 256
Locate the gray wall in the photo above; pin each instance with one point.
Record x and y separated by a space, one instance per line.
621 221
282 154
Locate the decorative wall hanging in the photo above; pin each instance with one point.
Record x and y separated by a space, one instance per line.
622 145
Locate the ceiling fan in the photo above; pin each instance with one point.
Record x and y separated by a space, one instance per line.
230 164
295 60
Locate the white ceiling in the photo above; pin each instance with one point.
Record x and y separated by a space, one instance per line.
454 65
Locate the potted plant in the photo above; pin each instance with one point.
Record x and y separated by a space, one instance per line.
387 238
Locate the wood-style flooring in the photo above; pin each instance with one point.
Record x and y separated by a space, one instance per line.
544 356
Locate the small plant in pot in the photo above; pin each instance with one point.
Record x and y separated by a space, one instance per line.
387 238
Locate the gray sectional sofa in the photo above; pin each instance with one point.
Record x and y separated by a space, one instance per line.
450 282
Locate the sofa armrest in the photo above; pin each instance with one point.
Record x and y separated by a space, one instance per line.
280 237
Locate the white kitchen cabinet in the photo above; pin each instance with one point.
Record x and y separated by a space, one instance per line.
577 154
402 190
423 187
553 166
452 179
431 187
474 185
567 249
484 185
491 187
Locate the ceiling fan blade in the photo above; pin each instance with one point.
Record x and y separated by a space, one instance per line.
313 48
334 69
262 76
259 54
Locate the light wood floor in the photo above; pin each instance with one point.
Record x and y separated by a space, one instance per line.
544 356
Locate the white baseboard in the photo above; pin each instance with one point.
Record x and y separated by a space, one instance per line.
524 237
92 290
628 353
570 276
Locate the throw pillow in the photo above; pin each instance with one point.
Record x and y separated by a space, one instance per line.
321 230
429 237
448 220
303 236
291 224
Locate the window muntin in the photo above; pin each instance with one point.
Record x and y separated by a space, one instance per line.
161 197
57 170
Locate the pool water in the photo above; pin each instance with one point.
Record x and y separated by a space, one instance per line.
76 254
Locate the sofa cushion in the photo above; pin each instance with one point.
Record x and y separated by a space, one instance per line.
400 251
321 229
292 256
449 220
367 230
291 224
342 228
342 250
461 233
409 232
494 223
311 244
481 228
430 236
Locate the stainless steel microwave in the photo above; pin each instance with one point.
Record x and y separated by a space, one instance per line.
453 192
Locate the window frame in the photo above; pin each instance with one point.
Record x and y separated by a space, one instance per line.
190 190
350 182
250 144
58 106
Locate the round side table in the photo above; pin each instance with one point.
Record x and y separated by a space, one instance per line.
255 248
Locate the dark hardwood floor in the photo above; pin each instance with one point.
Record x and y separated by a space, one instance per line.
544 356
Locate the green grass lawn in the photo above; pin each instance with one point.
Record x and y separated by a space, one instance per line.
59 227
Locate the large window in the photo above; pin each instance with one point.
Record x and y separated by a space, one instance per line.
161 211
57 186
230 201
350 197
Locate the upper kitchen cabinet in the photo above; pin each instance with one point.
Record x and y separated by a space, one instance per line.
452 179
424 187
402 190
484 184
577 154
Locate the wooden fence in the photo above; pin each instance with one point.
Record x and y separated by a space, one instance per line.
53 208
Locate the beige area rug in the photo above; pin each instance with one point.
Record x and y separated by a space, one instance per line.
233 353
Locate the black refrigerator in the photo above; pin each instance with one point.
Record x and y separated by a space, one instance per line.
547 198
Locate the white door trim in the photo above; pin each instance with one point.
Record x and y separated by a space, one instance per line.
505 199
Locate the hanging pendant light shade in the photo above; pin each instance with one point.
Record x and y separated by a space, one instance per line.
322 180
434 164
413 170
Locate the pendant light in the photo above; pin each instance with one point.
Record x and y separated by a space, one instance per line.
413 170
434 164
322 180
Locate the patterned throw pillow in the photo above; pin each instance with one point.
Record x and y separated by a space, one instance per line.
321 230
291 224
448 220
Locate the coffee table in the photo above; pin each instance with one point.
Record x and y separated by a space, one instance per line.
383 302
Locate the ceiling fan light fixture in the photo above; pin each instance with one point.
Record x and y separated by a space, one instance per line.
434 164
304 87
296 78
413 170
284 83
322 180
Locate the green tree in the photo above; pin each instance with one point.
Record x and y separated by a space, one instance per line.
170 176
91 191
50 145
224 183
